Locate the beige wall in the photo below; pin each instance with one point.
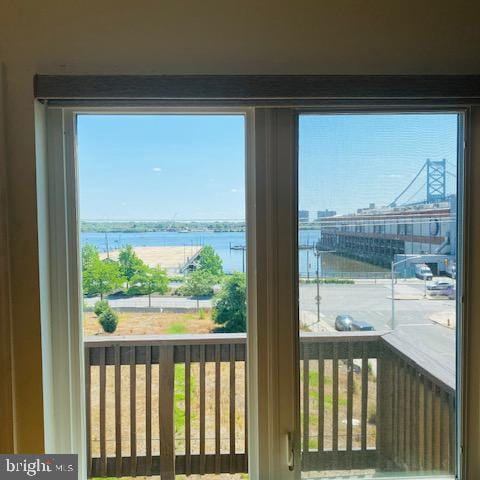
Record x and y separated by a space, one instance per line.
190 36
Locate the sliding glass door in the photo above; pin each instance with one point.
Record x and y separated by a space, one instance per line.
378 243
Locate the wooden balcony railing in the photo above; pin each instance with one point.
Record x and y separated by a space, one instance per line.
336 389
417 400
166 405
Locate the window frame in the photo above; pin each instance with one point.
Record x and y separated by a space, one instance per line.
277 313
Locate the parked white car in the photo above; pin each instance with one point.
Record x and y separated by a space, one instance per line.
440 287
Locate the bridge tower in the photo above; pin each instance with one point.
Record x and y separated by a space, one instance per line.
435 180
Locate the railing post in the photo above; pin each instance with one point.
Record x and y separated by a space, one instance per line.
166 411
384 436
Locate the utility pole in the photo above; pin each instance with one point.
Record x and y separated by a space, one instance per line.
308 265
317 254
393 295
393 265
106 243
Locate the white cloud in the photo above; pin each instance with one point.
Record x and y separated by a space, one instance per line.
234 190
157 169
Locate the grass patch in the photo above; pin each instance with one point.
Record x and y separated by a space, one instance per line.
313 379
179 412
176 328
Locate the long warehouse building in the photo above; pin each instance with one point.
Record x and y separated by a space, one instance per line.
379 235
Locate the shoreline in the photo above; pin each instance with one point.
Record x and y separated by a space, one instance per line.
187 227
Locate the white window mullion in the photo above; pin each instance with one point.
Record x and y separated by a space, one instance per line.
273 325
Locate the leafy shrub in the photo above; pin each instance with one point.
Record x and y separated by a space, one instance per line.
109 321
176 278
199 283
325 281
100 307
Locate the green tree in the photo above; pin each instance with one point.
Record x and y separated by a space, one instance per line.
230 310
130 264
108 277
90 256
209 261
90 261
102 277
150 280
199 284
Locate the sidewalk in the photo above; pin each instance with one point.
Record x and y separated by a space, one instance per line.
157 302
309 320
446 318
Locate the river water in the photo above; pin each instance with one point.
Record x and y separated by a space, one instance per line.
233 260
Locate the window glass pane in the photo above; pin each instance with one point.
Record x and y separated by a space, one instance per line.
162 204
378 263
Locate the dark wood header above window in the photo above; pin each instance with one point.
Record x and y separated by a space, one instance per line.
258 88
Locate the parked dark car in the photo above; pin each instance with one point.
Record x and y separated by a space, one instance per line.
343 323
346 323
360 325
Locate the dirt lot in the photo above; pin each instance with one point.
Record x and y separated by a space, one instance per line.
152 323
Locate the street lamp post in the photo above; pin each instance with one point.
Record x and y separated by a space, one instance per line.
308 265
393 265
317 254
393 295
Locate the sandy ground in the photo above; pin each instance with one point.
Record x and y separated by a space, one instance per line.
169 258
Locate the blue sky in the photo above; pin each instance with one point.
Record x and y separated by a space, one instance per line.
349 161
153 167
191 167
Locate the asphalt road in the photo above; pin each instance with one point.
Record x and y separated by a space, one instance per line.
364 301
373 303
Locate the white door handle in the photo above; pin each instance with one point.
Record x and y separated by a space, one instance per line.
289 450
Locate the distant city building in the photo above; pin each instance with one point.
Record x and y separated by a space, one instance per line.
325 213
303 216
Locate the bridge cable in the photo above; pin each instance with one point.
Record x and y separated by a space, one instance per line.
409 185
416 193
